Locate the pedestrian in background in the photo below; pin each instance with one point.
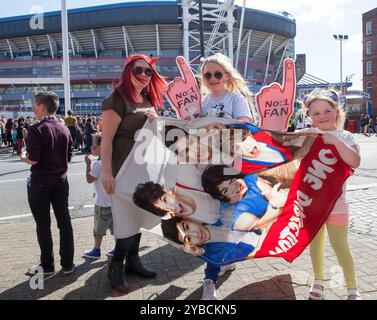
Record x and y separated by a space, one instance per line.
361 123
89 131
20 137
370 127
366 124
71 123
48 152
2 133
8 132
103 219
14 137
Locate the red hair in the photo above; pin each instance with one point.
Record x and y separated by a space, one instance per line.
156 88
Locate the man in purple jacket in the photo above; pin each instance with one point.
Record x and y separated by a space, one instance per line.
49 150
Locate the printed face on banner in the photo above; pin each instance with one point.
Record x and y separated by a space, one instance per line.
269 203
276 102
183 92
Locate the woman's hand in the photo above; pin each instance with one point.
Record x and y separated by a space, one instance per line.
108 183
151 116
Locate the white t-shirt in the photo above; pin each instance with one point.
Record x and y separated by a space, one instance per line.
102 199
230 105
299 125
344 135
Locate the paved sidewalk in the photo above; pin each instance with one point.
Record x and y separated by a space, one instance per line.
180 276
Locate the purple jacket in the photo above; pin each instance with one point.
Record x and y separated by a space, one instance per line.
49 143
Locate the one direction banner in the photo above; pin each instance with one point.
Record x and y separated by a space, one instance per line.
227 191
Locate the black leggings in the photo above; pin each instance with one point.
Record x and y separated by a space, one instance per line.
126 247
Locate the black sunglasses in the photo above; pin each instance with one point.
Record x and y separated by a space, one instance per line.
329 93
139 70
218 75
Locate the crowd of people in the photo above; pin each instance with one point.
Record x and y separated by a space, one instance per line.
14 131
50 141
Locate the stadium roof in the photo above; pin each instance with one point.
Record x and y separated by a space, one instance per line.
140 20
128 13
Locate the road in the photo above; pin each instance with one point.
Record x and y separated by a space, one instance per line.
13 175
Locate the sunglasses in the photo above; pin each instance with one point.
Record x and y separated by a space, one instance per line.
329 93
218 75
139 70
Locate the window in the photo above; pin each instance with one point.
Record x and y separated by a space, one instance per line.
250 74
369 67
368 28
369 87
369 47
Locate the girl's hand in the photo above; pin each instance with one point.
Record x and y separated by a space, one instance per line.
275 197
328 138
151 116
88 161
108 183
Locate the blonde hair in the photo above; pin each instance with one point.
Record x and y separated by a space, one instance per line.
331 97
236 82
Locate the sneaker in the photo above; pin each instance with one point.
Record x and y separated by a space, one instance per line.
353 294
110 253
94 254
209 290
70 270
34 270
227 268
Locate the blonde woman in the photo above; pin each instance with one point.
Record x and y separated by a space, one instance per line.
328 118
227 95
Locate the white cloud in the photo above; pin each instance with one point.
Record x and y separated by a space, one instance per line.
354 44
334 13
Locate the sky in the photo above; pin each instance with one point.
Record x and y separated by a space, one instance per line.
316 22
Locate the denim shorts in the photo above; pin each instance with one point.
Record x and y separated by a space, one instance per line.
103 220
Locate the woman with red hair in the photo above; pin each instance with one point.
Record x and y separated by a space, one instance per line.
136 97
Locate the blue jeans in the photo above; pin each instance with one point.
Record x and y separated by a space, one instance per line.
212 272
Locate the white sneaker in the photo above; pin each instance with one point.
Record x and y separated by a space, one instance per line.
227 268
353 294
209 290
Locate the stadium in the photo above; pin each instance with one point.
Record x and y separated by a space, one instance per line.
101 37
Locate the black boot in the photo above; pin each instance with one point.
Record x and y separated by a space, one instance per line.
117 277
133 262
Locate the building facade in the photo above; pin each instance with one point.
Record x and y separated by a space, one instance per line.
370 59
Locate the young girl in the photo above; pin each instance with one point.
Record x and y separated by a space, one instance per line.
227 93
226 96
328 118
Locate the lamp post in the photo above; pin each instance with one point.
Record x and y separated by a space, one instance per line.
341 38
